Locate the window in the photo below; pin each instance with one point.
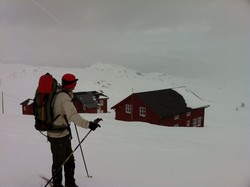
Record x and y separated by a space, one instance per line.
128 109
84 107
194 122
142 111
199 121
188 114
188 123
99 110
100 102
176 117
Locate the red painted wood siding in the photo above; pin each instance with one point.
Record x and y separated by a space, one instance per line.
27 109
104 106
134 115
81 109
196 118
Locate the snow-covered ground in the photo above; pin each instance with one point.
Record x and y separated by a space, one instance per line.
130 154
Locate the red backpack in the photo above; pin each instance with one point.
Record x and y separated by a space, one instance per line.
42 106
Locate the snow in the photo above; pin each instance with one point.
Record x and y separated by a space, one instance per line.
192 100
131 154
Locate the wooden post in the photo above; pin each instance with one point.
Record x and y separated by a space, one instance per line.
132 106
2 104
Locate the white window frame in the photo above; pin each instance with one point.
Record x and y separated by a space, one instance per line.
199 121
176 117
100 102
142 111
194 122
128 108
99 110
188 123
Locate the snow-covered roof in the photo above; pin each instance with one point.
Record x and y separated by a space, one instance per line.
192 100
27 102
89 98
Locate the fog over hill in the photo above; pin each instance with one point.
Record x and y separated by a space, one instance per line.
185 38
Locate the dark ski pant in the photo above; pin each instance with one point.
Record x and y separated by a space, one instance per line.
61 149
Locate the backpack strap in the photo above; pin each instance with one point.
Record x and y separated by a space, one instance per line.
68 126
65 117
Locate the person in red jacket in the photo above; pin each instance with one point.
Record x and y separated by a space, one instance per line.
60 140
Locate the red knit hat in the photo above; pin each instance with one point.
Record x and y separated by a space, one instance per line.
69 81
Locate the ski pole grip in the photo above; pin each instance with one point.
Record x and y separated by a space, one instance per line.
97 120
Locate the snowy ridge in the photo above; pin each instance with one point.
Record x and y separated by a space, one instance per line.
131 154
108 78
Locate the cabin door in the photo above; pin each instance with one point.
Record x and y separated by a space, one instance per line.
99 110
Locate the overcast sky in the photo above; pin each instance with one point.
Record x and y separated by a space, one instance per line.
146 35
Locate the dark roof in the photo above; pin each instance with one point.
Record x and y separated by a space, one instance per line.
165 103
87 98
26 102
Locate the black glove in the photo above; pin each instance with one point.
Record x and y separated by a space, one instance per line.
93 125
97 120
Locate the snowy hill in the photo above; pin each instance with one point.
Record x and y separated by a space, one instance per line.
130 154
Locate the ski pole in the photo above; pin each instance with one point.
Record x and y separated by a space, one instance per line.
69 156
96 121
84 162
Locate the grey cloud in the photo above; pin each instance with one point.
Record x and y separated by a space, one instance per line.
148 35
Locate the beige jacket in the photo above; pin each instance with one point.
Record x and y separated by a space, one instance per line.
64 106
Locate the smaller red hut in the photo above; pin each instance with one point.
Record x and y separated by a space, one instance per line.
85 102
90 102
27 107
168 107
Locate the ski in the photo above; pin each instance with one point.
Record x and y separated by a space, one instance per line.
47 180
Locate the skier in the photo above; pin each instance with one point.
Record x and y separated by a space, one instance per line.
60 141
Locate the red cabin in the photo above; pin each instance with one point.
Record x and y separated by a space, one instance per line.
168 107
27 107
90 102
85 102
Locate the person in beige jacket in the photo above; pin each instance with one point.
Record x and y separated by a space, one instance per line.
60 140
